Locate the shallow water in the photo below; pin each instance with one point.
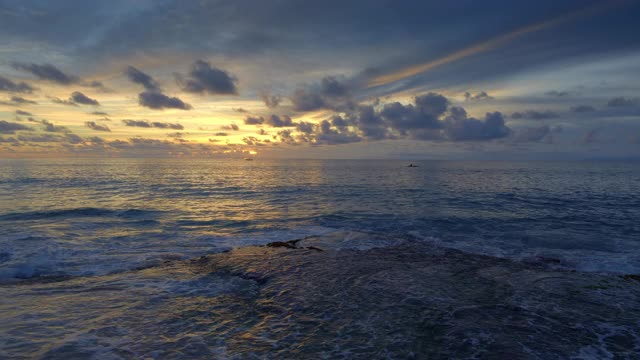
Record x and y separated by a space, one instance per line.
408 300
95 259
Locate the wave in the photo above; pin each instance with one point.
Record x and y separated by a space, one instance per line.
76 212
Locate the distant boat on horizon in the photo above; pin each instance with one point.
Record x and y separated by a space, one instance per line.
411 165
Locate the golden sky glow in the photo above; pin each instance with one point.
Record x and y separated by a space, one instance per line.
261 82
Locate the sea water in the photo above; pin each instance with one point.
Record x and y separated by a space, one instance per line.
97 255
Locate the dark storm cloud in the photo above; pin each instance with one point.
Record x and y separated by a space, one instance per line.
11 128
582 109
159 101
622 102
147 124
143 79
204 78
46 72
534 115
270 100
95 126
10 86
80 98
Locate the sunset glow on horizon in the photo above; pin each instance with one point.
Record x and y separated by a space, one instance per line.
118 90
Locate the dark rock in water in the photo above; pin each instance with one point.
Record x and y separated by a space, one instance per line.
291 244
313 248
283 244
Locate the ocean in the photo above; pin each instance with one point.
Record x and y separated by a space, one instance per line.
169 258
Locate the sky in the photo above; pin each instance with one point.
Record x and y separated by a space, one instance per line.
320 79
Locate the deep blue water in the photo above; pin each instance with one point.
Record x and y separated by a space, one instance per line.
91 259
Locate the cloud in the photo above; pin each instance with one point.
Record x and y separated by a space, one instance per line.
556 93
622 101
50 127
270 100
46 72
21 100
11 128
331 93
534 115
279 121
532 134
482 95
471 129
253 120
51 73
161 125
40 138
204 78
143 79
23 113
99 113
10 86
428 117
93 125
273 121
147 124
137 123
582 109
233 127
63 102
326 135
240 110
221 134
80 98
305 127
75 99
155 100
